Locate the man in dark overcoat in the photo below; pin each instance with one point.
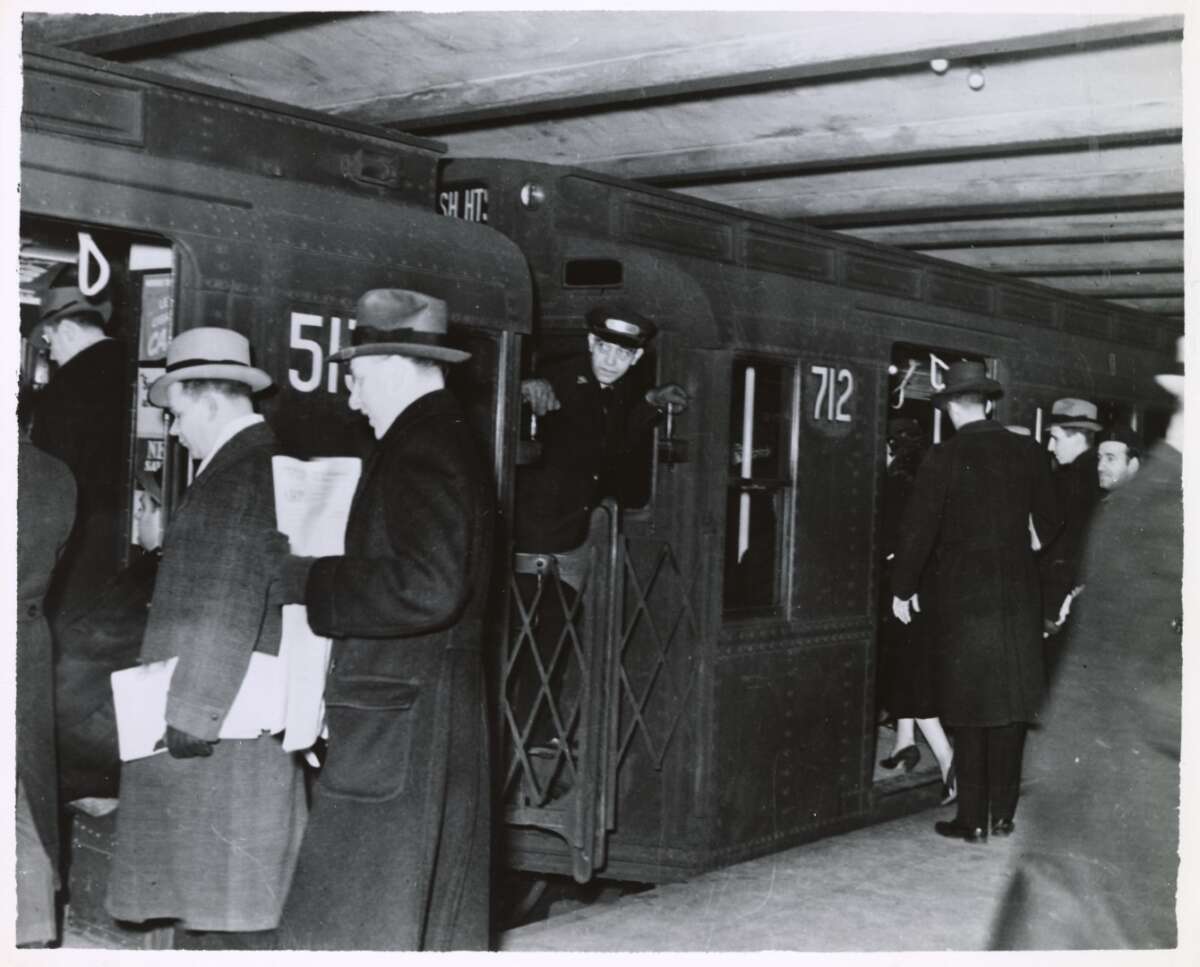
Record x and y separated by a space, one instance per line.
396 856
594 420
45 511
80 418
1072 430
968 522
208 834
1098 861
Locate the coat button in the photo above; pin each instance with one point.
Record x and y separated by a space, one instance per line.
32 611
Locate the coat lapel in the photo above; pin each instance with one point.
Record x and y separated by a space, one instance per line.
260 434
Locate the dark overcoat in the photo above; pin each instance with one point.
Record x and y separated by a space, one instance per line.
79 417
45 510
396 856
1098 863
1077 490
968 522
96 639
212 841
590 450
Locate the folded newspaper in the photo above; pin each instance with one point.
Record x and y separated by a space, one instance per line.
282 693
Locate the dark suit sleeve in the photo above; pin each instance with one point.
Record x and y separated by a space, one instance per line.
1047 514
230 566
419 584
921 523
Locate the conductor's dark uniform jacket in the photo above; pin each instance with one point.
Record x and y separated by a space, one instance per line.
594 446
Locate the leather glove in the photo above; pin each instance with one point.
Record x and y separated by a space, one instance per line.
668 396
540 395
182 745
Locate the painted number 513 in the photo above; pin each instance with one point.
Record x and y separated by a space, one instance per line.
830 404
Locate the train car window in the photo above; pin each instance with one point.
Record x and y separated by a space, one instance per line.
592 274
760 484
127 285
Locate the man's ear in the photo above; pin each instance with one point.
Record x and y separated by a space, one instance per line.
637 356
1135 464
591 342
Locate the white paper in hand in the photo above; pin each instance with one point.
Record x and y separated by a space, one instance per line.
312 503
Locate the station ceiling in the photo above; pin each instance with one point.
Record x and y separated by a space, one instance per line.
1045 147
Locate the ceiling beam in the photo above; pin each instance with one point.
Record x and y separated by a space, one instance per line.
1166 307
1067 227
1066 205
1118 285
1027 181
779 58
1076 259
114 36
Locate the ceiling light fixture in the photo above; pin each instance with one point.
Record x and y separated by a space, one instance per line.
939 65
975 79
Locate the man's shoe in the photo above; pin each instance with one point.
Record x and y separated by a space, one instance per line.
954 830
1003 828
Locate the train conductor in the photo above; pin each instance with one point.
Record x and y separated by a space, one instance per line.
396 853
593 421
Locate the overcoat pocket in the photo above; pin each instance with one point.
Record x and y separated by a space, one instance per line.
371 726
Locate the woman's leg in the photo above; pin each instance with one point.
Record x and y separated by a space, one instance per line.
935 735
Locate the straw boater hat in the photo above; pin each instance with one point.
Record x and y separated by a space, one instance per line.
208 352
398 322
621 326
1073 414
967 376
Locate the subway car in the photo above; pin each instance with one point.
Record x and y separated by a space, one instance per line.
708 695
730 704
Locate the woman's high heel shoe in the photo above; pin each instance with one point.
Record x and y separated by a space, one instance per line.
908 757
950 785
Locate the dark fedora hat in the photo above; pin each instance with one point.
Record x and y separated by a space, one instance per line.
399 322
62 299
967 376
619 325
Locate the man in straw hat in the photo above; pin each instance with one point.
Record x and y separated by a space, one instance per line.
1073 426
396 856
79 417
208 834
1098 860
967 524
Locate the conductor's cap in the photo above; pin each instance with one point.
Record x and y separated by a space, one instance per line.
621 326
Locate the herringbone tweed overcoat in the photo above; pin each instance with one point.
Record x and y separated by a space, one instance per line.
212 841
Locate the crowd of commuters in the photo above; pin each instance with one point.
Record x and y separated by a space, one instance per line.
390 847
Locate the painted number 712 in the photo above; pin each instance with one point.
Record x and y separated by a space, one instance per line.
830 404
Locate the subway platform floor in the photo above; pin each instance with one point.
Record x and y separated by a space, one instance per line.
897 886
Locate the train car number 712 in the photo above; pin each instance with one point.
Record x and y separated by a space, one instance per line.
833 395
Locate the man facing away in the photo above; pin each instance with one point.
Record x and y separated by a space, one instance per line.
79 417
968 520
396 856
208 834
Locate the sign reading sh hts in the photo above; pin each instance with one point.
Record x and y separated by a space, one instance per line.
469 204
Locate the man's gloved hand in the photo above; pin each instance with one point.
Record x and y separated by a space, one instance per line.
540 395
182 745
670 396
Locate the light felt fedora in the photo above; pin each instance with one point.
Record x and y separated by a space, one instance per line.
208 352
967 376
1075 414
399 322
